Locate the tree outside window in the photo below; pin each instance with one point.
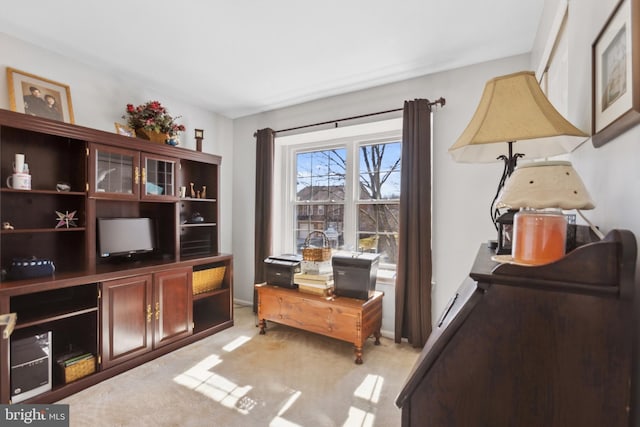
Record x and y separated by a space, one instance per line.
322 200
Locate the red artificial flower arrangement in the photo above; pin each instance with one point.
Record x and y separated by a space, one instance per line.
152 116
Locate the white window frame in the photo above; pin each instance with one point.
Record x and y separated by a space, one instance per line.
284 165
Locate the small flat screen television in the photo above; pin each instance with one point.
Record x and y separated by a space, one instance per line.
125 237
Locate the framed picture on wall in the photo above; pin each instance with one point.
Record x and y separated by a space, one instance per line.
125 130
616 74
38 96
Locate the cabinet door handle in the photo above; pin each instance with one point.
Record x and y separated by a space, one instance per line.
136 175
149 313
157 311
144 175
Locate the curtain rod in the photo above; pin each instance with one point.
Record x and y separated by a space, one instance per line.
440 101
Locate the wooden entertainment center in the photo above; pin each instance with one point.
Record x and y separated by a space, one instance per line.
123 313
347 319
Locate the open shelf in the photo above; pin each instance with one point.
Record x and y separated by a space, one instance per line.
208 294
196 200
42 230
198 224
44 192
60 316
210 312
45 306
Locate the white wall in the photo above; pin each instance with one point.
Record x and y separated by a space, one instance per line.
99 99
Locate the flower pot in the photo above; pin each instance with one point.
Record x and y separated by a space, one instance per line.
156 137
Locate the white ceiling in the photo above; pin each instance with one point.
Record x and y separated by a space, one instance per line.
240 57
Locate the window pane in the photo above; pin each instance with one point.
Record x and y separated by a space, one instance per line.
326 218
379 171
320 175
378 230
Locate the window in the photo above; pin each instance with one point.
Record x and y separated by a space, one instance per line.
345 186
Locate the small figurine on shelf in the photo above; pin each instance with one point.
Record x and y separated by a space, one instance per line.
63 186
67 219
196 217
199 134
173 139
193 191
204 192
7 226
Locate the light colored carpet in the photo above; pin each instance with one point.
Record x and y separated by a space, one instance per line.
237 377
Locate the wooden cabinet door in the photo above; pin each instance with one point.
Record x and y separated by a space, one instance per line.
173 302
127 319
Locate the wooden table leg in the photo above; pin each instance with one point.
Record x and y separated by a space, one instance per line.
263 325
358 351
377 335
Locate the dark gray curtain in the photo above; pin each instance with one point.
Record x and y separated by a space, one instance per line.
413 279
264 189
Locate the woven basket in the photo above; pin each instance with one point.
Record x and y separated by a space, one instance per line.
156 137
316 254
208 280
79 370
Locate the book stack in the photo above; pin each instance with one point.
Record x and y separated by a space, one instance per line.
317 267
316 284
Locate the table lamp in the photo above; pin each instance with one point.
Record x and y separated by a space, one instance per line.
541 190
514 110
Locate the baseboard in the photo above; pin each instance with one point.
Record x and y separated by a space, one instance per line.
387 334
242 302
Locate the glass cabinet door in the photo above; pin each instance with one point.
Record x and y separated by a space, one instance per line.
115 173
158 177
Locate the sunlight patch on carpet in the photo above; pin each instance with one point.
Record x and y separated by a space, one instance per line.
200 378
281 422
225 392
197 374
290 401
370 388
359 418
242 339
278 421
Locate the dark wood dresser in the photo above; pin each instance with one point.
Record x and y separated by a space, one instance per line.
552 346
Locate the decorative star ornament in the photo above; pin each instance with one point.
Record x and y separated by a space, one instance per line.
67 219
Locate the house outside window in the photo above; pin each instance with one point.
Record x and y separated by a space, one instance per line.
346 187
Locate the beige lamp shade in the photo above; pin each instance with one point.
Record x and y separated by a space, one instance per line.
540 185
514 108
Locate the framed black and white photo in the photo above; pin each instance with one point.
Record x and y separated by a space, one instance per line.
616 74
38 96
